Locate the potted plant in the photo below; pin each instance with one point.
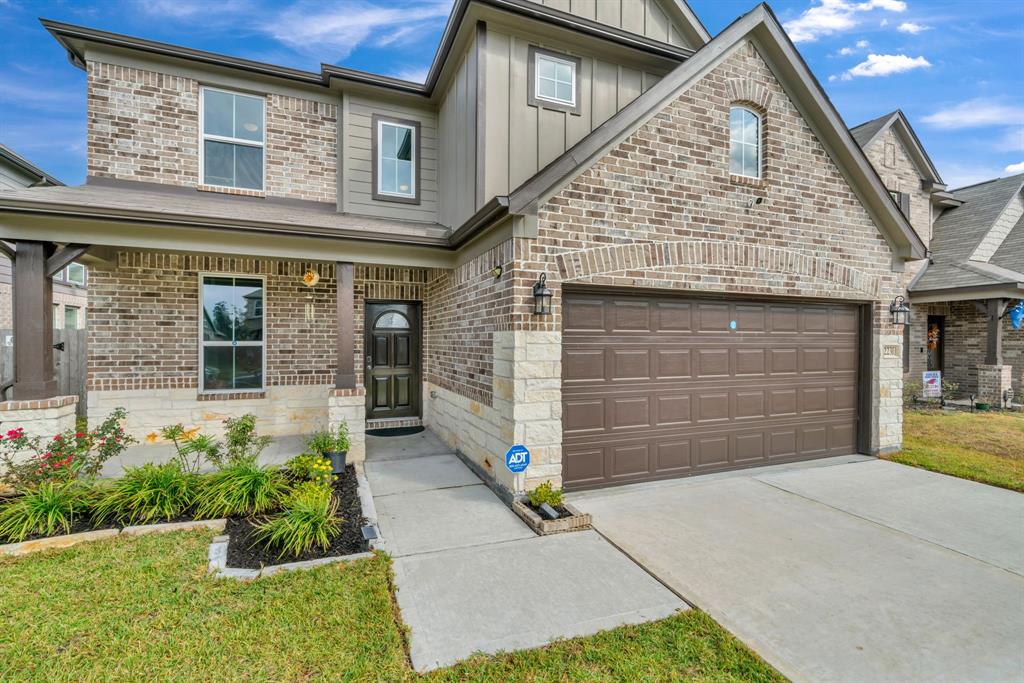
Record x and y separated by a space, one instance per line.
331 445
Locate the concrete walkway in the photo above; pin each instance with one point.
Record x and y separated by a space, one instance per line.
862 571
472 577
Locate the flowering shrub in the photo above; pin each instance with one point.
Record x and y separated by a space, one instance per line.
192 448
311 467
62 458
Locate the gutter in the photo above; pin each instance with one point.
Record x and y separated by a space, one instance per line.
489 214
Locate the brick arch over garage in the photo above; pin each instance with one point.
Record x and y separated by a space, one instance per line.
587 263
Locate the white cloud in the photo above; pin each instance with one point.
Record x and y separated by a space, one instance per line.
885 65
958 174
334 33
859 45
846 51
414 74
883 23
976 113
911 28
1015 168
834 16
1011 141
862 44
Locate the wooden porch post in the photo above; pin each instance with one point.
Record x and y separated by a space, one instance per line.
994 345
346 376
33 322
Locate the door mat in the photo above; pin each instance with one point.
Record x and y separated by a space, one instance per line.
395 431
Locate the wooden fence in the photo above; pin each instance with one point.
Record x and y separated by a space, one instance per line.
70 363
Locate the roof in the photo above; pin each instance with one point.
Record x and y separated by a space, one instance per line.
761 26
72 37
41 176
960 230
151 203
868 132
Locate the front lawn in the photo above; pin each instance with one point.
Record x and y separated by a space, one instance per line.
985 447
143 609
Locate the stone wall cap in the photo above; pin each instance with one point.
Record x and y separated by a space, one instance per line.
39 403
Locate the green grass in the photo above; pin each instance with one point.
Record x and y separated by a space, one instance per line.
985 447
143 609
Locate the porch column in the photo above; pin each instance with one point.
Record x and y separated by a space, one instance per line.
33 322
994 346
994 378
346 375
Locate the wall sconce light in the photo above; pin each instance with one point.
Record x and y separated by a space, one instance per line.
542 296
900 311
496 271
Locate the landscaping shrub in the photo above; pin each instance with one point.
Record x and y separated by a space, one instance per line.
310 467
241 441
309 519
545 493
240 488
192 448
49 509
147 494
27 462
329 442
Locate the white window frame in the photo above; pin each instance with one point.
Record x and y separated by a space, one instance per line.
537 78
66 274
380 159
203 343
760 141
203 137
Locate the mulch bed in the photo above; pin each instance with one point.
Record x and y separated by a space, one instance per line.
81 524
244 554
562 512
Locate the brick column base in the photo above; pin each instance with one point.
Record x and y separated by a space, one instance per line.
349 406
993 380
42 417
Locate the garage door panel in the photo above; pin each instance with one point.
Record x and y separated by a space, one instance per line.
583 314
670 388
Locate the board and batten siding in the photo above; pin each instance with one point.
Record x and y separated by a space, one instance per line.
521 139
358 162
647 18
457 155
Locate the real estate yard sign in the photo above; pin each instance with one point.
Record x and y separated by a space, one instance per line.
932 383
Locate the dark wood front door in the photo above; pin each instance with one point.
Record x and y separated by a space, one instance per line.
392 360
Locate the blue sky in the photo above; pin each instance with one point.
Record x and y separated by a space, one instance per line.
955 67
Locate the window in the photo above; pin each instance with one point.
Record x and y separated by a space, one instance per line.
71 317
75 274
232 144
396 150
744 143
553 80
232 345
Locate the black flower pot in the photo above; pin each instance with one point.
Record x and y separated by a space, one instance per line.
337 461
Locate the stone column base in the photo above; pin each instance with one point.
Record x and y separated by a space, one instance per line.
993 380
349 406
41 417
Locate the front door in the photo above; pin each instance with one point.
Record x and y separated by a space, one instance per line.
392 360
936 342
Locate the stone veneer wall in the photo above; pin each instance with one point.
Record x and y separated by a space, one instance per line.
144 125
43 417
660 210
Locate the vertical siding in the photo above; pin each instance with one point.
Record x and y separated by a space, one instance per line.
520 139
358 163
647 18
457 153
12 178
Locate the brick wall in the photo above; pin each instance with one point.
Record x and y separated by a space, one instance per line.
144 125
900 174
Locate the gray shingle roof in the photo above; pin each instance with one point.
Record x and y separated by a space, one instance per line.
958 232
866 131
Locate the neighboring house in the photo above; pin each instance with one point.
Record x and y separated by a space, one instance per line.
640 251
976 260
69 296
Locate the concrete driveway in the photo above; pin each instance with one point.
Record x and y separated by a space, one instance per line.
849 569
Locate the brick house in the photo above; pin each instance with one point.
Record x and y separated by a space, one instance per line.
719 254
69 295
960 294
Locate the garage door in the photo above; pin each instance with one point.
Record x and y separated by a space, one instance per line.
655 387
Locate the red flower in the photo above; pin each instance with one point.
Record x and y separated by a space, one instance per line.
79 435
57 438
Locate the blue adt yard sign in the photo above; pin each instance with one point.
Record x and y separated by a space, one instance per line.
517 459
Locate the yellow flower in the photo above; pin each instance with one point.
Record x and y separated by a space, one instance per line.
190 434
151 437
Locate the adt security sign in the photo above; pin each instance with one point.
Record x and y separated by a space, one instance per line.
517 459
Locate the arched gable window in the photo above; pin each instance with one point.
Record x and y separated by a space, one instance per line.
744 142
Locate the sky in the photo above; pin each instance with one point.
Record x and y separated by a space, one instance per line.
955 67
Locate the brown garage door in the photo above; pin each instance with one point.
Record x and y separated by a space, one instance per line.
656 387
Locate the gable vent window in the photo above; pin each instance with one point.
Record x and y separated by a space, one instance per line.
233 139
553 80
744 143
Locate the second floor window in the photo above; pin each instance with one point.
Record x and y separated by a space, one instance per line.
396 148
744 142
556 80
75 274
233 137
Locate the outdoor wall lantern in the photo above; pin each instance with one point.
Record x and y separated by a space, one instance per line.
542 296
900 311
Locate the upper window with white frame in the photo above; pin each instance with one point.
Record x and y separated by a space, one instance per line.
396 144
744 142
73 274
232 355
233 138
554 80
